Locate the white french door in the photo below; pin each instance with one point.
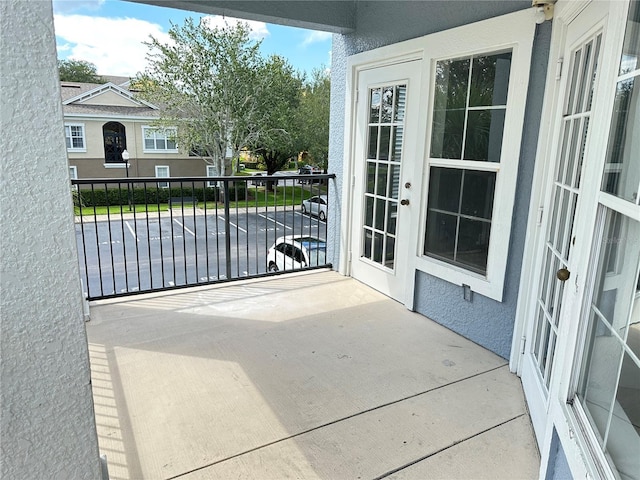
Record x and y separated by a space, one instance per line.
556 262
385 154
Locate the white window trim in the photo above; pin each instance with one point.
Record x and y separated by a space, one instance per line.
168 176
514 31
516 35
84 137
73 172
158 150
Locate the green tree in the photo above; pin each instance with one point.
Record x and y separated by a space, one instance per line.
277 140
78 71
313 117
207 83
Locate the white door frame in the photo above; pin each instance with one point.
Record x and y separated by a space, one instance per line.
558 414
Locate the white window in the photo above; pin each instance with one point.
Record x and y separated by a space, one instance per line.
159 139
74 137
476 112
162 171
211 172
73 172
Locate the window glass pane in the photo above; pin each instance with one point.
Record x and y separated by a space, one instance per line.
161 144
392 215
396 146
609 383
394 181
149 144
68 142
450 102
446 137
368 237
387 105
382 179
473 244
490 80
389 255
631 49
373 143
371 177
484 135
378 245
368 211
400 98
622 169
374 103
385 139
440 236
477 197
380 214
444 189
171 144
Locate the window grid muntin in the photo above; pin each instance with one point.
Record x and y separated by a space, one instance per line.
159 139
74 136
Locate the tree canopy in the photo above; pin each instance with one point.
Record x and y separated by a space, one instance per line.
222 94
313 117
78 71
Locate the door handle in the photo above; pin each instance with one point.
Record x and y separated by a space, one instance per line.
563 274
404 201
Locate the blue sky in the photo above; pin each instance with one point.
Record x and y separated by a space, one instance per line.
109 34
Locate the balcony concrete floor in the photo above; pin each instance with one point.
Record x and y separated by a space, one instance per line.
304 376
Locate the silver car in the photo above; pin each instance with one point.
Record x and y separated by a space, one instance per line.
316 205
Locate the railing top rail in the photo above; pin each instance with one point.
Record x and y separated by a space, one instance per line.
240 178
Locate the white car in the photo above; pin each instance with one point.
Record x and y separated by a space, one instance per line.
316 206
296 251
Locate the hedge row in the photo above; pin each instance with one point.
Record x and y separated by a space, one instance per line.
142 196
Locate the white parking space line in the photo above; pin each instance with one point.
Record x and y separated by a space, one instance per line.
132 231
185 228
233 224
274 221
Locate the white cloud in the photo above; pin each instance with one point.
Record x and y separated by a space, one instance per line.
316 37
113 45
258 31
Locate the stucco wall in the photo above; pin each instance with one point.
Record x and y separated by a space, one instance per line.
483 320
47 427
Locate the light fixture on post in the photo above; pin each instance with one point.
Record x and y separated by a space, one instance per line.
125 159
544 9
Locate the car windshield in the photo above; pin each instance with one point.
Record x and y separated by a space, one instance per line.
316 250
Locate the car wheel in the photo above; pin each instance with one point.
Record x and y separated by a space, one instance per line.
273 267
322 216
304 209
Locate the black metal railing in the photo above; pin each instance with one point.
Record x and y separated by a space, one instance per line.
140 235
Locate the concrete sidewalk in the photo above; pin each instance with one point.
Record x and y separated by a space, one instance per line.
302 376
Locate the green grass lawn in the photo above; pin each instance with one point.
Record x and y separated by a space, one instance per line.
256 197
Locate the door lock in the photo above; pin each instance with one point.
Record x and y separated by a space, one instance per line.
563 274
404 201
407 185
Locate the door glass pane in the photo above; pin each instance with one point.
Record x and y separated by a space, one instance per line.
631 49
382 171
622 168
609 383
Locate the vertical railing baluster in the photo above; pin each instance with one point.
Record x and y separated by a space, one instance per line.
227 229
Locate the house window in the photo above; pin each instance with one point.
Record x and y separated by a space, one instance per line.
74 137
162 172
469 108
159 139
73 172
211 172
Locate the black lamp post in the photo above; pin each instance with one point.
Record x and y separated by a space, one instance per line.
125 159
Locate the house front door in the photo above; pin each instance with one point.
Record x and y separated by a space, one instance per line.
385 153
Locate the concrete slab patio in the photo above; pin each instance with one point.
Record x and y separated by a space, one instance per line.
301 376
